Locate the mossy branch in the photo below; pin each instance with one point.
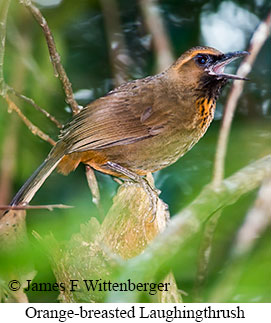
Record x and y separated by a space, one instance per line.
100 249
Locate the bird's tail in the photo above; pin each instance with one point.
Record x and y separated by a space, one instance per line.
34 182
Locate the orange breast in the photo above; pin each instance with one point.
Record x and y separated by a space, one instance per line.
206 109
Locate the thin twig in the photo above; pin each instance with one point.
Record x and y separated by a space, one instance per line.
3 19
49 207
156 28
94 188
257 41
34 129
54 55
37 107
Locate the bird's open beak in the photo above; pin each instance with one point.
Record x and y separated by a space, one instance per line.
217 68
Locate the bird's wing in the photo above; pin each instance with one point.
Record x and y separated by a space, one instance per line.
124 116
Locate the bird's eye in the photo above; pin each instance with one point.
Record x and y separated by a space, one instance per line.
202 59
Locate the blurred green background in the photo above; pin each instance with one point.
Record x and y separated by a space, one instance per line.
81 37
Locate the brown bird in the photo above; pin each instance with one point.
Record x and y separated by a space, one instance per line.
143 125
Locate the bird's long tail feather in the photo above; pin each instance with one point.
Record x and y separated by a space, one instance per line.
34 182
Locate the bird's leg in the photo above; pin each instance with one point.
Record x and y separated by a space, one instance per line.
148 188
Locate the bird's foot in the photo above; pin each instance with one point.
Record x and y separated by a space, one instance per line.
145 183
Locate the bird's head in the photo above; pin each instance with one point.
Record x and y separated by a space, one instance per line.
203 67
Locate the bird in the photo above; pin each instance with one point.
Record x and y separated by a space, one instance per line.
143 125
